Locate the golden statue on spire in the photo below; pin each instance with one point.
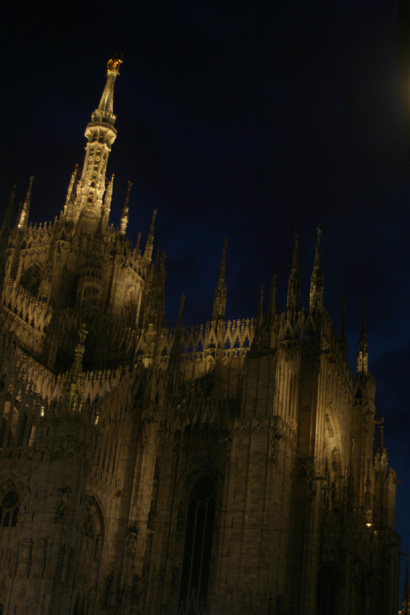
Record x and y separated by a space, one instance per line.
114 64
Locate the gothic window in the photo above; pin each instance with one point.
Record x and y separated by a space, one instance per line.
9 505
326 591
198 547
30 280
130 307
90 295
93 529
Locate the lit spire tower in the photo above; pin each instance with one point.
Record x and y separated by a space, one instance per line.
101 134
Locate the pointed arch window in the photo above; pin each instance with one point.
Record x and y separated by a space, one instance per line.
9 505
30 280
93 529
198 547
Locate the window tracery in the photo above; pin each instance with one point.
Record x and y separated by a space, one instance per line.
198 547
9 505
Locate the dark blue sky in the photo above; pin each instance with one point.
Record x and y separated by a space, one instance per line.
243 121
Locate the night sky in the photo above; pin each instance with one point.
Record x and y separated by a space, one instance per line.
245 120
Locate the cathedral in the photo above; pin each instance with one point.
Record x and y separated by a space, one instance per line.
228 468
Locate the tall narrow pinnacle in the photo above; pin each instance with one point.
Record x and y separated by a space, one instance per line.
5 227
5 233
362 346
150 240
125 211
23 219
101 134
406 590
219 307
71 399
259 319
175 352
71 193
381 460
316 282
293 299
272 297
268 320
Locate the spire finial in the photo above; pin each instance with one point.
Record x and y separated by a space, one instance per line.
219 307
22 223
5 227
293 298
259 319
108 198
71 193
5 233
106 106
362 346
268 320
272 296
381 460
343 338
150 241
125 210
175 352
316 282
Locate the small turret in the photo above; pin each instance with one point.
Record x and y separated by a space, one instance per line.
316 282
219 307
269 318
70 200
175 353
72 397
381 460
23 219
259 319
150 241
125 211
272 298
362 346
5 233
293 299
108 200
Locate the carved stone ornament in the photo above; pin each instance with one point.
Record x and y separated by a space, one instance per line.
131 541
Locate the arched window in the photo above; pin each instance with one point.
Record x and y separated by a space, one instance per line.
30 280
129 308
9 505
326 591
93 529
198 547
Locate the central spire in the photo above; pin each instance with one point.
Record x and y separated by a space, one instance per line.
101 134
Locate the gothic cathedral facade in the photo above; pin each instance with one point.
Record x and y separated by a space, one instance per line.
224 469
